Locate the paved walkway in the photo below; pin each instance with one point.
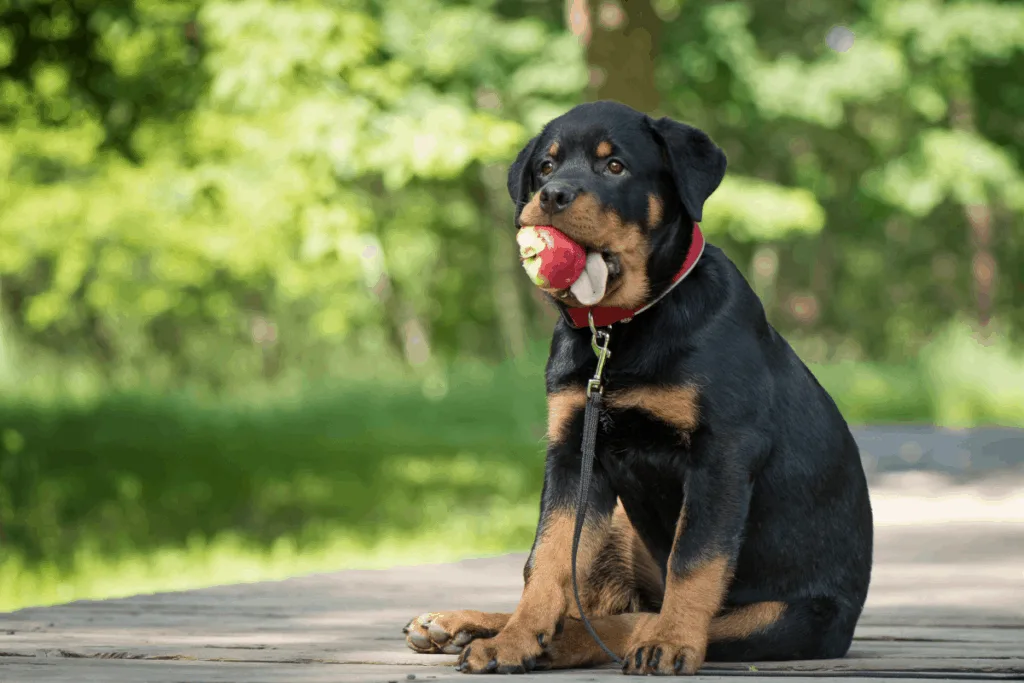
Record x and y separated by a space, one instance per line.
947 601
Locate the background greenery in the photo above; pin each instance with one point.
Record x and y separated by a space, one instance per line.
260 310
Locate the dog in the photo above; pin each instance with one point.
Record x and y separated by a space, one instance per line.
728 516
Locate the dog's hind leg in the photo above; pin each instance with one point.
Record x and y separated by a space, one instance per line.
813 628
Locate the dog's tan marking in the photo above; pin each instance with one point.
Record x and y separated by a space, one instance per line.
692 600
675 406
553 149
655 210
532 214
549 585
745 621
604 150
563 406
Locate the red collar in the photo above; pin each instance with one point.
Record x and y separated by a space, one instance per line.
608 315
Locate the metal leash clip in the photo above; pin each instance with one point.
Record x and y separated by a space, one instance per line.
599 341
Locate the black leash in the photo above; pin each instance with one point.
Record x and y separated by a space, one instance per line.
595 390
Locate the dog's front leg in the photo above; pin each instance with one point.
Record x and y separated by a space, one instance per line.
707 540
547 594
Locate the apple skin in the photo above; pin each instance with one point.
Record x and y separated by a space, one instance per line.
550 258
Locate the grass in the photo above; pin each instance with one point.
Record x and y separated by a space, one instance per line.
122 494
229 558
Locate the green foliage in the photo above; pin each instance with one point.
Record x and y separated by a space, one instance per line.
216 193
311 161
956 165
970 383
893 138
136 485
756 210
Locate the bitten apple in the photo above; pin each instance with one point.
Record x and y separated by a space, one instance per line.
550 258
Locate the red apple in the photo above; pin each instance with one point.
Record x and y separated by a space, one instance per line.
550 258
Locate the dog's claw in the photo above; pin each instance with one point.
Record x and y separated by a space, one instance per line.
655 658
438 634
420 640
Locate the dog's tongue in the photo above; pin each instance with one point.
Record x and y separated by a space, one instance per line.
590 285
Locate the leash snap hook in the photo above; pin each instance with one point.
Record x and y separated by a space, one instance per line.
599 341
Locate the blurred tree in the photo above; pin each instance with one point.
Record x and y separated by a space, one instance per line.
214 191
865 109
621 39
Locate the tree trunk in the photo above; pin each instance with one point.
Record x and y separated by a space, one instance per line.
979 222
620 37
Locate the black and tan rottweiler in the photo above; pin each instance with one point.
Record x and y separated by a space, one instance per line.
729 517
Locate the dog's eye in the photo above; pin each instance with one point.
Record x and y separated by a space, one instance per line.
546 168
615 167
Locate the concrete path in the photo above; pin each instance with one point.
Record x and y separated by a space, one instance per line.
947 598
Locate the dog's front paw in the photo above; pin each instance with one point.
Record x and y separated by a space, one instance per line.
449 632
513 651
662 656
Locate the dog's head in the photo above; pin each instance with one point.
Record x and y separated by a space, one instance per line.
622 185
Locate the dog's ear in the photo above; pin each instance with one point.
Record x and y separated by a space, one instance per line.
520 182
697 163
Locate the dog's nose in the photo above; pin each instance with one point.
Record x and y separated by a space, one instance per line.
556 197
